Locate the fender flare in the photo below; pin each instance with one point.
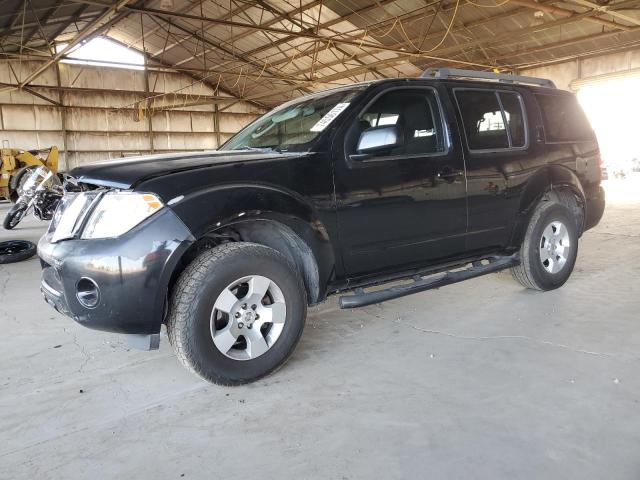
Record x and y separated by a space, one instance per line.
544 182
238 205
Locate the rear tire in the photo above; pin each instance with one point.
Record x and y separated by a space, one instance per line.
550 247
219 295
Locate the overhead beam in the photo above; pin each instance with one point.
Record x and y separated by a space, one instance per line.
442 54
154 66
607 9
302 8
197 76
214 21
564 12
316 29
139 93
76 15
479 43
268 23
435 35
526 4
160 27
205 40
590 54
34 93
40 21
66 20
562 43
324 26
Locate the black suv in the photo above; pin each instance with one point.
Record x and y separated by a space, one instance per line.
429 180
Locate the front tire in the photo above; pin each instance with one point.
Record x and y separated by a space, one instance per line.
14 216
550 247
18 182
237 313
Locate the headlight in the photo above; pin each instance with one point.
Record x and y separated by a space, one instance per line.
70 214
118 212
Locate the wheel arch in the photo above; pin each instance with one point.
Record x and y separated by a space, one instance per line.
555 182
264 215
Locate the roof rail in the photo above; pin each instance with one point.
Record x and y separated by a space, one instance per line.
500 77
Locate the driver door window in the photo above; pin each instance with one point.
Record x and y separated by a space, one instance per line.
416 116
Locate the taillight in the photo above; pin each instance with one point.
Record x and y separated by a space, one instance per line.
600 166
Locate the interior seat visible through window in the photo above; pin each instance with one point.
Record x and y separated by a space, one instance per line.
492 120
416 114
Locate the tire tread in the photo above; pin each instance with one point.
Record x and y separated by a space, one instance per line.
523 273
183 304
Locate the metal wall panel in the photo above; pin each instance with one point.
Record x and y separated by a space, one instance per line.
100 121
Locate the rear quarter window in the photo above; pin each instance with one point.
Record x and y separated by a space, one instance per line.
564 120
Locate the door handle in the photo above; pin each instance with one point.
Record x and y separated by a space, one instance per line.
448 174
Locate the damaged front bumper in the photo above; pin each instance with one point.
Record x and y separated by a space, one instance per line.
116 284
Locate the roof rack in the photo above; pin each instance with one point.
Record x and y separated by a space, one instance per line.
442 73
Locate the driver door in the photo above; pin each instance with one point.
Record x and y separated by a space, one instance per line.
402 205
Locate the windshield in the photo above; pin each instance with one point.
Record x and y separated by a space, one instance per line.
294 126
35 178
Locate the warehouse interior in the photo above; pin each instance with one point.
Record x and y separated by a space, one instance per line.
509 385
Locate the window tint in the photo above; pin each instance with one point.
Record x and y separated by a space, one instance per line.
415 112
482 120
484 114
515 118
564 120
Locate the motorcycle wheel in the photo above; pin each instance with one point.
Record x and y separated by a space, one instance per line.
14 216
16 250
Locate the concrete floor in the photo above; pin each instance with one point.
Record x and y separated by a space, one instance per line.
477 380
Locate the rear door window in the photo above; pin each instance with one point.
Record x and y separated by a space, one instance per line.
515 117
492 120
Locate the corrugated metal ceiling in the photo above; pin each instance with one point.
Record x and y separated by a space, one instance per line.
308 45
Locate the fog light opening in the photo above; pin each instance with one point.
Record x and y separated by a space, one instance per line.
87 293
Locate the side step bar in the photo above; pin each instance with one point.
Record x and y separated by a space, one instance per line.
421 284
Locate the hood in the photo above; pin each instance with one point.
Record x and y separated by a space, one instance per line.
127 172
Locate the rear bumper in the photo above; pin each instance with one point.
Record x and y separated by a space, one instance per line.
594 208
131 274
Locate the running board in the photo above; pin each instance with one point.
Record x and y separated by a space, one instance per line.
421 284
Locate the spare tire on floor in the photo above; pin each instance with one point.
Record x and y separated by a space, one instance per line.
12 251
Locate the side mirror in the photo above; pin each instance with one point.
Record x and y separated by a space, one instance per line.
375 139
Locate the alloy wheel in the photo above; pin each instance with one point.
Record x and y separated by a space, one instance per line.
555 246
248 317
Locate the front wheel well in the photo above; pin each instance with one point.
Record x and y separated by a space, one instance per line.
269 233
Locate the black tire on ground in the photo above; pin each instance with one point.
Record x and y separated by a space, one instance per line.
13 216
12 251
531 272
192 302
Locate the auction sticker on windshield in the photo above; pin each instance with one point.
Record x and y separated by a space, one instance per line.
329 117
